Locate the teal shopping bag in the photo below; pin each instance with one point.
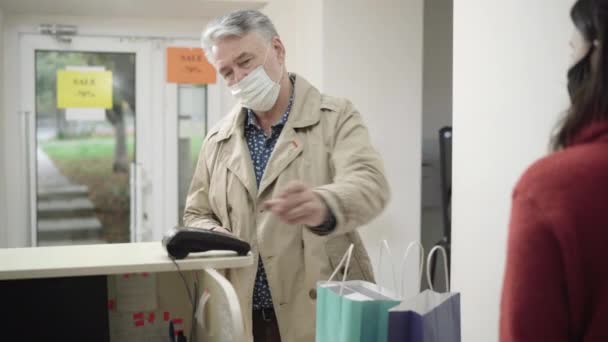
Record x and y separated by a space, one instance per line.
352 311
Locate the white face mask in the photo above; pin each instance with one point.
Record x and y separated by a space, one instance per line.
257 91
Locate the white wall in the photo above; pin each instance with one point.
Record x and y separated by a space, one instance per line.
302 35
279 14
309 41
510 61
372 54
3 143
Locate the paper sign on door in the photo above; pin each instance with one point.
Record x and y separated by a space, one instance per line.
84 89
189 66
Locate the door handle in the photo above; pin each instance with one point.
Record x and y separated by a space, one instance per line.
139 202
132 200
30 162
138 216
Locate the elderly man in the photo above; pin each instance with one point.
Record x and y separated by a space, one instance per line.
289 170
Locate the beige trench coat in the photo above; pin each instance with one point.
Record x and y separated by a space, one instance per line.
324 144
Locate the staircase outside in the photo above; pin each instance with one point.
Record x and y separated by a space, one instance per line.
66 216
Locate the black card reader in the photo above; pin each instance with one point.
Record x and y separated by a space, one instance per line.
181 241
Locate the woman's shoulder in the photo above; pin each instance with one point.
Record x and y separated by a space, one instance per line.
570 169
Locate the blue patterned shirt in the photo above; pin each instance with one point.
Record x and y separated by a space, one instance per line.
260 148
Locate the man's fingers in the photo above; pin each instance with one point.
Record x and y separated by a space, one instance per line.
282 205
298 212
293 187
293 201
295 205
270 204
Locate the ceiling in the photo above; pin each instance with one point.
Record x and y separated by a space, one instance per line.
186 9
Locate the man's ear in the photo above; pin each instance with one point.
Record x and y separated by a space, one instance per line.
277 44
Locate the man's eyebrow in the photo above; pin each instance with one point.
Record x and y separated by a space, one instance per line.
242 56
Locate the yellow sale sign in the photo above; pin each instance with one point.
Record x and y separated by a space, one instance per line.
84 89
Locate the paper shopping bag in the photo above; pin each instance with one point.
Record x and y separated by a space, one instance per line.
427 317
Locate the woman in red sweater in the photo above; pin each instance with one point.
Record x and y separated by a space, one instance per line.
556 280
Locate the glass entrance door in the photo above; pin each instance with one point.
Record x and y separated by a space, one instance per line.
83 155
88 138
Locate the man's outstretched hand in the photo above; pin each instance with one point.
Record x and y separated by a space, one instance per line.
298 204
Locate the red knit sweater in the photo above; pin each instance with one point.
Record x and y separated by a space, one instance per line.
556 280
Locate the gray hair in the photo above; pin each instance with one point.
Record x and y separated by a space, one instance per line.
237 24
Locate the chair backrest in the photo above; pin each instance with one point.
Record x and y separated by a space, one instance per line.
224 321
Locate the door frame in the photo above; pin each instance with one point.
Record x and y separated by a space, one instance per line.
214 113
145 144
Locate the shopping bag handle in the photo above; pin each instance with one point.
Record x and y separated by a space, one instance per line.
345 258
445 267
384 246
421 266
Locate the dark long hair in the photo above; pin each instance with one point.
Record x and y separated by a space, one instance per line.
588 79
